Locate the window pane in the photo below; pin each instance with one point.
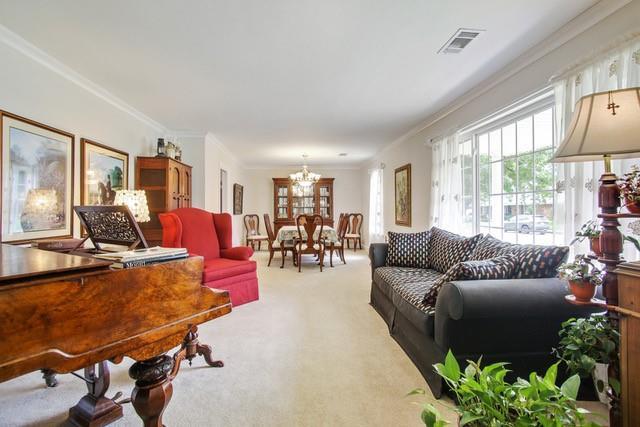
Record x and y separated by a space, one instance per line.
544 218
495 145
485 182
483 148
496 211
496 178
510 177
525 135
543 131
525 173
509 140
465 149
543 170
525 218
467 182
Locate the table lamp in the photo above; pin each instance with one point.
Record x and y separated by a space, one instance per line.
136 201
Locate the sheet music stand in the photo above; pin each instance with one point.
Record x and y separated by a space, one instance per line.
110 224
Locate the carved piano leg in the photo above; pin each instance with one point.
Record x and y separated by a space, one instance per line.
94 409
153 389
49 377
194 348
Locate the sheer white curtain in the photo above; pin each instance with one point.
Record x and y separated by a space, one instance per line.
577 183
446 184
376 219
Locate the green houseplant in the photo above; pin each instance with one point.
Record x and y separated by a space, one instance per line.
587 344
583 277
486 399
630 189
589 230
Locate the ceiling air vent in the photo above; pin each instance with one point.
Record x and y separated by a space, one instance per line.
459 40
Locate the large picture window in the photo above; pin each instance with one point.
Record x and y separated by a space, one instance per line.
508 180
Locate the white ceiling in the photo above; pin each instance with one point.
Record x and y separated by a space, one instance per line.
274 79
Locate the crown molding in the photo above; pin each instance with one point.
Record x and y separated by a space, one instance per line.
299 165
570 30
21 45
222 147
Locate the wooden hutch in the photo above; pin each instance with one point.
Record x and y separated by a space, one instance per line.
290 201
167 183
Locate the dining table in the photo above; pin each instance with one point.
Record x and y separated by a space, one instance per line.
289 232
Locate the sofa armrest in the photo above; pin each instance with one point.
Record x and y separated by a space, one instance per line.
240 253
378 255
492 312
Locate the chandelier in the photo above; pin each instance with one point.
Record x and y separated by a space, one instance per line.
304 178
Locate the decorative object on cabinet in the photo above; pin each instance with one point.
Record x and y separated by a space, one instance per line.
238 192
103 171
37 177
403 195
161 148
170 149
605 126
112 225
167 184
178 156
289 201
136 201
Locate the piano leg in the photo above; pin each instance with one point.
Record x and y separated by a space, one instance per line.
194 348
153 389
94 409
49 377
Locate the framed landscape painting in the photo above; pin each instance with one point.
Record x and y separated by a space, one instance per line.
403 195
37 180
237 199
104 171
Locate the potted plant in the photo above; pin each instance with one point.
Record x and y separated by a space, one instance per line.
630 189
583 277
589 230
587 346
484 398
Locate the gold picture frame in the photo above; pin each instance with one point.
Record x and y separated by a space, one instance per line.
402 185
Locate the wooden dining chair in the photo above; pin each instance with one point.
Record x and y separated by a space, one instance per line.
252 231
308 245
355 230
343 225
283 246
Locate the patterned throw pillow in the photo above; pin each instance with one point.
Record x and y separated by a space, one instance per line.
408 250
488 247
447 249
498 268
535 262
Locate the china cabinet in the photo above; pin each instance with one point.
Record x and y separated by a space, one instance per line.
290 201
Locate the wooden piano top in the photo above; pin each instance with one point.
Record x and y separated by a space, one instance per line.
18 263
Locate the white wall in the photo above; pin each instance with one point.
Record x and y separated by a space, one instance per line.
473 107
32 90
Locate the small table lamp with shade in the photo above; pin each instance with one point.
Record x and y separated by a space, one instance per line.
136 201
606 126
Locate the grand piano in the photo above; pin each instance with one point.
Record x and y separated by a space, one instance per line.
61 313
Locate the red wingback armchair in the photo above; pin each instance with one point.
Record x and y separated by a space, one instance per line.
209 235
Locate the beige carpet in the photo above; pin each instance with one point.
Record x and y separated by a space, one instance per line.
311 352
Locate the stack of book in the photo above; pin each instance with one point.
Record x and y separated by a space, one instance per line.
140 257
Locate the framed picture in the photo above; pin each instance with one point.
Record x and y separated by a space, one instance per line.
37 180
103 171
237 199
403 195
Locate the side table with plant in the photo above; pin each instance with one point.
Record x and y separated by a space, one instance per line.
583 277
587 346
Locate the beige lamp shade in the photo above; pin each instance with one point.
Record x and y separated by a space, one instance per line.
136 201
606 123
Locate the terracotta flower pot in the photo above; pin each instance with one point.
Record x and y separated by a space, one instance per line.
632 205
594 243
584 291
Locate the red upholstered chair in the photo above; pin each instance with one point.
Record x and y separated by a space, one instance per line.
209 235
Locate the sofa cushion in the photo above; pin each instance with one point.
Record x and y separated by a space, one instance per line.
501 267
405 287
408 250
488 247
536 262
222 268
446 249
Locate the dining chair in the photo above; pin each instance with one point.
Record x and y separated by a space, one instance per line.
355 230
252 231
284 246
308 245
343 225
